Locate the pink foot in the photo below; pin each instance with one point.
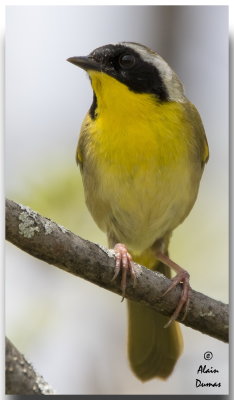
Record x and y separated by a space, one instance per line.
123 260
182 276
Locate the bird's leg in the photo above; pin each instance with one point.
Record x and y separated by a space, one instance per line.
123 261
181 276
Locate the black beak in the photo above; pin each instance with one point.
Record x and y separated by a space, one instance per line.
86 63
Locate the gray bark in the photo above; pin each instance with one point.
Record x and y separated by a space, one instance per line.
21 377
52 243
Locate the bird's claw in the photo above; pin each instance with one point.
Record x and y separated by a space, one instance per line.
123 261
181 277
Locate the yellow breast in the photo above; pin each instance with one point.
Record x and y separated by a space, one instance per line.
138 163
130 126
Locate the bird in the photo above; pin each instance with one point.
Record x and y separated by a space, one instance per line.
141 151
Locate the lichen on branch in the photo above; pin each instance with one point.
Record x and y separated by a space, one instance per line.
52 243
21 377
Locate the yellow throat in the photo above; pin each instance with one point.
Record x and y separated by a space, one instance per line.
135 127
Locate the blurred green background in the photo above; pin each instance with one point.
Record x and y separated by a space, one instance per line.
74 332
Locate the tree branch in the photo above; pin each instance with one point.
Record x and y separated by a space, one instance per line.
50 242
21 378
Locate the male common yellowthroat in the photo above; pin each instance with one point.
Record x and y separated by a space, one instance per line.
141 152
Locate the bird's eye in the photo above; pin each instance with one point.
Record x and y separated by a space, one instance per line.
126 61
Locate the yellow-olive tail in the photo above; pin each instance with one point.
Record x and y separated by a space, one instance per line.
153 350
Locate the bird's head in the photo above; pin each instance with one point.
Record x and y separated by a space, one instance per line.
133 65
